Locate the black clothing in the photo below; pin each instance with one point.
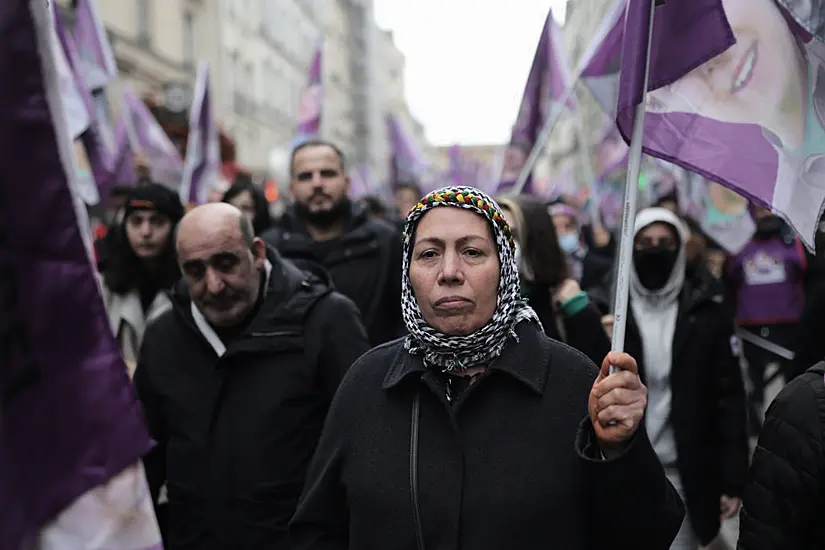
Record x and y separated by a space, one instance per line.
784 498
708 410
364 264
235 433
810 332
582 331
509 464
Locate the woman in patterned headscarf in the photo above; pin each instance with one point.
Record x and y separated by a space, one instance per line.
472 432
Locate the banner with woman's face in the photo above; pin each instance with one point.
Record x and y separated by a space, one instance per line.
753 117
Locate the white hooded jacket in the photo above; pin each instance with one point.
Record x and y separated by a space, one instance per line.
655 313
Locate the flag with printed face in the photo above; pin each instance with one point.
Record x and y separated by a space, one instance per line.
73 432
547 84
737 94
310 109
203 156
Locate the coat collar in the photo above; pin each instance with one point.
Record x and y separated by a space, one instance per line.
525 358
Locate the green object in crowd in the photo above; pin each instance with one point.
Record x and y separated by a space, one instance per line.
642 181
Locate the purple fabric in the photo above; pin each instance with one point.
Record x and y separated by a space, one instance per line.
123 172
97 63
769 279
408 160
165 163
601 64
202 164
311 108
743 107
101 159
69 414
546 85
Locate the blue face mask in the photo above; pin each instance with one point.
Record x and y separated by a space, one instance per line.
569 243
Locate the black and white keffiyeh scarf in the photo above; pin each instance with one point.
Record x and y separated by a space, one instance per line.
456 353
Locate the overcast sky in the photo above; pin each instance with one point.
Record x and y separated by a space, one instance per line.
467 61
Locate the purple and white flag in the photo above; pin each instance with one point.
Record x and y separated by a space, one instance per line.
73 432
601 63
409 164
97 62
547 85
202 166
165 164
93 157
310 109
737 94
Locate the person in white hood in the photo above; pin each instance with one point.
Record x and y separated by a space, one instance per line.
696 400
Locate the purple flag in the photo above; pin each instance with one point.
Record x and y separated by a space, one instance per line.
408 161
601 63
547 85
165 163
123 166
71 423
203 156
736 97
95 153
97 62
312 98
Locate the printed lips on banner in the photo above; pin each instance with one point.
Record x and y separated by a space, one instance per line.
738 96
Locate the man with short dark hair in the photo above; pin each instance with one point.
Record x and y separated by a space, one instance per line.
325 228
235 380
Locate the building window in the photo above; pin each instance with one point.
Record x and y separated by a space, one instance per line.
143 18
188 38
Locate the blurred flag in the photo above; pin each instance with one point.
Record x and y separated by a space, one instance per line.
97 62
165 163
737 95
312 99
73 432
202 166
409 165
548 88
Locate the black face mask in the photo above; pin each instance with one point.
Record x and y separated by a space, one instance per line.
654 266
769 226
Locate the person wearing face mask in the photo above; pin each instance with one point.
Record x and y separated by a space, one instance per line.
767 280
587 265
565 311
682 333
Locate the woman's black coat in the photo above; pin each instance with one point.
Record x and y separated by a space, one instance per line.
510 464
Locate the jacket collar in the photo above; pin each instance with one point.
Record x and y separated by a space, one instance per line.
525 358
206 329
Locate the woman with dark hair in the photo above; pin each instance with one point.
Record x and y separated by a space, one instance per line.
251 200
141 264
563 308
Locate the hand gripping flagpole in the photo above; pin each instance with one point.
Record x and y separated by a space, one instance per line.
631 193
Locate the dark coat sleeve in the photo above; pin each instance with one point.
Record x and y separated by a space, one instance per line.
338 337
152 401
394 282
632 504
585 333
321 521
731 411
783 498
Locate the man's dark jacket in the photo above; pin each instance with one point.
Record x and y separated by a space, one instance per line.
364 264
235 433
